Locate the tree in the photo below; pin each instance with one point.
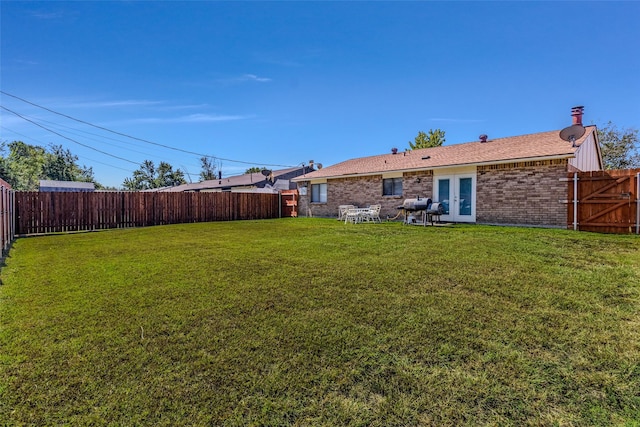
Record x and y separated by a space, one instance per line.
149 177
168 177
253 169
435 138
61 165
23 165
208 169
620 148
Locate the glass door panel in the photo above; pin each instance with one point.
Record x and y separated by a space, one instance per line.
444 193
465 191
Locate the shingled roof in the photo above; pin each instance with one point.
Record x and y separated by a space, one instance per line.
245 180
537 146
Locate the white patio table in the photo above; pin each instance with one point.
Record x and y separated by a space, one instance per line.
356 215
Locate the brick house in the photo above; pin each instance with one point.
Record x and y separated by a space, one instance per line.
518 180
271 181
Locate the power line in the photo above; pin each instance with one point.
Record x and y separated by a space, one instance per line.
79 156
67 138
82 156
133 137
78 131
23 135
107 164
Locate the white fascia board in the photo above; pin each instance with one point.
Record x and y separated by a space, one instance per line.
318 181
395 174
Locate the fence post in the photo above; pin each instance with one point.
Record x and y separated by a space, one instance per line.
575 201
638 203
12 214
7 217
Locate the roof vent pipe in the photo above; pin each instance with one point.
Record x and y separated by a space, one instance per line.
483 138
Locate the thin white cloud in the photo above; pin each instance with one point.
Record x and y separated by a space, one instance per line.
192 118
58 14
203 118
8 119
47 15
25 62
274 59
117 104
254 78
184 107
160 105
244 79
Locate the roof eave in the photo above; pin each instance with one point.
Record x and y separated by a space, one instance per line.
427 167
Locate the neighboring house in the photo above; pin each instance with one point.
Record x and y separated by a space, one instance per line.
517 180
74 186
274 181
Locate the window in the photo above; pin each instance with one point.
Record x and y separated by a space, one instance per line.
318 193
392 187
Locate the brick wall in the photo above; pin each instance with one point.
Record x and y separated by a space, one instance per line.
528 193
365 191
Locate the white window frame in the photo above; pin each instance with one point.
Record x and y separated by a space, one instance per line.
321 193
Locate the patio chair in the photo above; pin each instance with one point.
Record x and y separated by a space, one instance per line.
353 215
373 214
342 211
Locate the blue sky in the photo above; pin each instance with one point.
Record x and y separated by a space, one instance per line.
262 83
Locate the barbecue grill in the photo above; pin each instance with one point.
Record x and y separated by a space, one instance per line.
414 205
422 205
435 210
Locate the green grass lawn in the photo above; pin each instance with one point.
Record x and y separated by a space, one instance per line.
314 322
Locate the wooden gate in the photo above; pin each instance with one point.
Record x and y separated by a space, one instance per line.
604 201
289 203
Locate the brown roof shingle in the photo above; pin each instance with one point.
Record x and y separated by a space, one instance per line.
500 150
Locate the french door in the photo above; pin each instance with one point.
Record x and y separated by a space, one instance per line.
457 194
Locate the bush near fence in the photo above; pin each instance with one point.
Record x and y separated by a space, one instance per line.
39 212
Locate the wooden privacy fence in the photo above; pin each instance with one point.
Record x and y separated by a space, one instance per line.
41 212
7 218
605 201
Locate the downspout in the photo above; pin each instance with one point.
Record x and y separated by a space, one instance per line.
575 201
279 204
